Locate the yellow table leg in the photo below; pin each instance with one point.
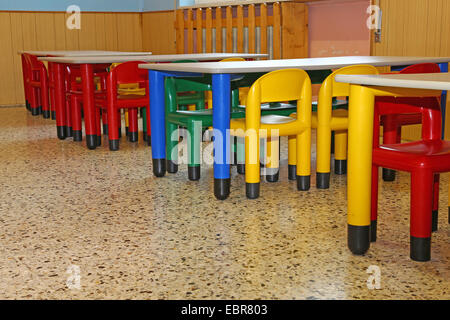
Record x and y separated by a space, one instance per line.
360 143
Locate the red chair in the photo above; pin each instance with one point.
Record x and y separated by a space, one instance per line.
125 73
392 124
36 86
424 159
74 100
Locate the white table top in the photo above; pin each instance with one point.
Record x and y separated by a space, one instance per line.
64 53
306 64
151 58
434 81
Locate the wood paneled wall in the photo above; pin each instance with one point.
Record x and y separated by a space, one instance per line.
47 31
415 28
158 34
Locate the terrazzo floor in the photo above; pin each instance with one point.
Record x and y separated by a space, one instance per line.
67 211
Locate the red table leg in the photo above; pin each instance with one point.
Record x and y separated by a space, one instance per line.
60 100
87 79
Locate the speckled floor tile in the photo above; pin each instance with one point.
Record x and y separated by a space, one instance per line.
134 236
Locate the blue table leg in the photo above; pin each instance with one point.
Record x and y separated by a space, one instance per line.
157 119
221 124
444 68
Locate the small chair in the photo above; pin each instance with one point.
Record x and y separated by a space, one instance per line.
327 120
424 159
125 73
392 124
276 86
36 86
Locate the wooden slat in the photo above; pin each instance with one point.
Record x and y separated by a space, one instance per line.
199 19
218 25
100 31
88 32
45 31
180 31
111 35
190 31
7 80
240 29
16 45
29 31
263 28
161 40
60 34
209 30
72 36
276 30
294 30
251 29
229 30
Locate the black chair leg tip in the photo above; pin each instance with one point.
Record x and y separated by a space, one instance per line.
252 190
434 221
159 167
273 177
194 173
373 231
99 141
105 129
388 175
222 188
69 132
149 141
340 167
303 183
172 167
61 132
358 239
144 136
113 145
46 114
127 131
77 135
133 136
53 115
240 168
420 249
91 141
292 172
323 180
35 111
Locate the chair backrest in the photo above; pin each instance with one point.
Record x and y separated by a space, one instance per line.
129 72
422 68
281 85
428 107
232 59
330 88
35 68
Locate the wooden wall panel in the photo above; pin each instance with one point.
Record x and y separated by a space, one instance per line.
47 31
415 28
158 32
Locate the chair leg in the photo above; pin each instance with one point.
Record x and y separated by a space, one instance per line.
390 136
172 140
144 123
98 127
421 206
434 221
273 159
252 171
113 128
127 122
374 204
292 157
76 118
240 152
105 122
323 157
133 132
304 160
340 152
194 142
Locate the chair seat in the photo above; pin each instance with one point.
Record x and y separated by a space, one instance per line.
434 155
276 119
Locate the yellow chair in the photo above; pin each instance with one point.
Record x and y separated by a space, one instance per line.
327 120
276 86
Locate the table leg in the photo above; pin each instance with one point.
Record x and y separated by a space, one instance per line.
60 100
157 119
87 80
221 124
444 68
360 143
